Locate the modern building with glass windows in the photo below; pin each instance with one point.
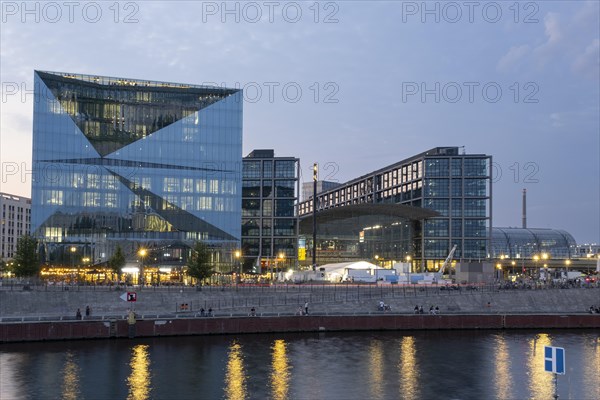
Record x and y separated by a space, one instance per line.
456 186
526 243
269 218
136 163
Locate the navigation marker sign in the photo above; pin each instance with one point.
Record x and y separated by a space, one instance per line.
554 360
128 296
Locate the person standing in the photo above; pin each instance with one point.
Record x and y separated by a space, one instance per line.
78 314
306 308
88 311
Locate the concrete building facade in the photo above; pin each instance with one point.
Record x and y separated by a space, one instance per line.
16 220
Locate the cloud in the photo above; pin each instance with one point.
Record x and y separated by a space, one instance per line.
546 51
514 56
587 64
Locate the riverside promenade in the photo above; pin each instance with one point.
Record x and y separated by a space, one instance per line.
48 312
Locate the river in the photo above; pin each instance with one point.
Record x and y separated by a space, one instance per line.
345 366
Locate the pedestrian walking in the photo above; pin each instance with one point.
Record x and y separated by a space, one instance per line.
306 308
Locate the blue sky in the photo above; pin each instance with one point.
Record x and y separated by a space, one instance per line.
352 85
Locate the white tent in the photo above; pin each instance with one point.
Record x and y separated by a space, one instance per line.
340 271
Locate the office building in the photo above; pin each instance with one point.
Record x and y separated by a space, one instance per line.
269 218
456 186
16 219
137 163
322 186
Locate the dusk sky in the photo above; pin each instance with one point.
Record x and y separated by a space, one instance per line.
352 85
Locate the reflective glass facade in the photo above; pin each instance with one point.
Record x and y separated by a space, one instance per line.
525 243
269 199
134 162
457 186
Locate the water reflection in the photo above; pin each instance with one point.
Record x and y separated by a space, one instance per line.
10 383
502 369
70 385
376 365
280 371
541 385
409 369
139 380
235 378
591 369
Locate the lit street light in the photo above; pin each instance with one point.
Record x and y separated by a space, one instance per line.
238 255
142 253
73 249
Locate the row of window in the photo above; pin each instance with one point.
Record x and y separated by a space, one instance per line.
400 175
467 248
256 208
460 207
253 169
456 167
267 247
265 189
268 227
456 228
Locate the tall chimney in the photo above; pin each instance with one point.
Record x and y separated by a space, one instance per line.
524 208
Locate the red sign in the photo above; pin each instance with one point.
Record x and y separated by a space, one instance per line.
131 296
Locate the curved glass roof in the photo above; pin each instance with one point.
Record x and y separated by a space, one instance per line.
527 242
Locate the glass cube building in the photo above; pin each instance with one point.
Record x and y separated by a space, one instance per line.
136 163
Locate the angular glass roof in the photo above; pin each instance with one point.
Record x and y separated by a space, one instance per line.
114 112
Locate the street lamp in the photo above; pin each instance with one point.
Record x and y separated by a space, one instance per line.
545 257
73 249
499 272
142 253
536 259
280 257
408 259
238 255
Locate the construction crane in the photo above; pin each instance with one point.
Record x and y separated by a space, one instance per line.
448 260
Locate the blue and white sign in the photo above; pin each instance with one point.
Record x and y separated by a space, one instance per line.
554 360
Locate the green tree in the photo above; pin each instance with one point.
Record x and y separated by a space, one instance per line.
27 262
117 261
199 265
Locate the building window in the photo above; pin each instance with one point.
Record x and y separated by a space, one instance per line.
285 169
436 167
251 169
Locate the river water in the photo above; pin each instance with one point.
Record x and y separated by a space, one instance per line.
345 366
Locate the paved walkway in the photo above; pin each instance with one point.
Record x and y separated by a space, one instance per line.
41 303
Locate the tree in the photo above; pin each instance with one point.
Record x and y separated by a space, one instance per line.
27 262
117 261
199 265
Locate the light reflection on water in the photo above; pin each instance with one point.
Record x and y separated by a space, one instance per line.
70 386
408 367
280 372
139 381
376 369
502 376
370 365
235 378
541 384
